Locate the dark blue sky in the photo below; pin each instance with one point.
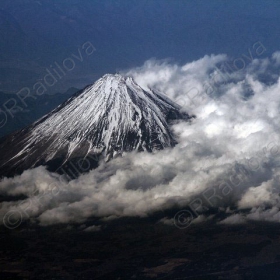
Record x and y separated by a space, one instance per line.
38 36
35 34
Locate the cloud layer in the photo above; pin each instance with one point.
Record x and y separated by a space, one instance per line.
227 158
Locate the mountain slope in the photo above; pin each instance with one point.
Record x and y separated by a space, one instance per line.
106 118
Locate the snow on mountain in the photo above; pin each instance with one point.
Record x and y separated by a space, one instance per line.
111 116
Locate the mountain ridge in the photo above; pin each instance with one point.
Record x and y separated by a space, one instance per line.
111 116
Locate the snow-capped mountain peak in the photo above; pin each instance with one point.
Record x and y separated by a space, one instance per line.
111 116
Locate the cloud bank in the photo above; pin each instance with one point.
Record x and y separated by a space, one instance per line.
228 157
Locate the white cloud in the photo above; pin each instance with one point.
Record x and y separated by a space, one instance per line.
233 145
235 219
255 196
167 221
261 214
92 228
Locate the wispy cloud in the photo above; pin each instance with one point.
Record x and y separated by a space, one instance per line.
228 157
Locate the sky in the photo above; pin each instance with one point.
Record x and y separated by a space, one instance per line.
37 34
218 59
40 38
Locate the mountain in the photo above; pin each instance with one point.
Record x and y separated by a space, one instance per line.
36 108
103 120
